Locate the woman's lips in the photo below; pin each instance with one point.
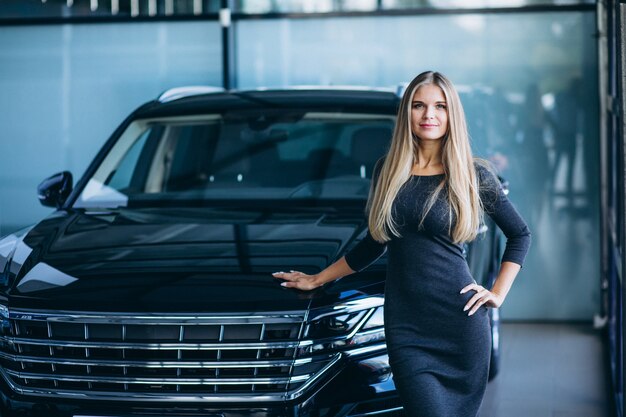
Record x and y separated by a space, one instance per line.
426 125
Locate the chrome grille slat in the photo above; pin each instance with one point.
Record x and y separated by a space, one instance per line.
219 353
179 354
173 346
165 364
227 356
159 319
164 381
16 331
86 335
300 334
258 354
52 365
124 369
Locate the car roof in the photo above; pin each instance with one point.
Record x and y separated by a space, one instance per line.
198 100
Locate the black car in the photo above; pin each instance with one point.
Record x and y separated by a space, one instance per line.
148 292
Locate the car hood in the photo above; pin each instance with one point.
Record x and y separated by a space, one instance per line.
183 260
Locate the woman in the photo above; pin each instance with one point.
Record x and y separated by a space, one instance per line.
427 198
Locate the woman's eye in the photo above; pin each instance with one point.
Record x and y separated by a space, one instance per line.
441 106
417 105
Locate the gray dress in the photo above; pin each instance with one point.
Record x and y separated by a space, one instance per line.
438 355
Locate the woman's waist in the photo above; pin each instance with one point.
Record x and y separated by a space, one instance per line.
423 242
422 277
427 262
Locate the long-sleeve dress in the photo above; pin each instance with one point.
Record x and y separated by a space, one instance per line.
439 356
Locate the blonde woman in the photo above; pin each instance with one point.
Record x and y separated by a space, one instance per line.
428 196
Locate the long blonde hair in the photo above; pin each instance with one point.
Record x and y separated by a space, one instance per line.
458 162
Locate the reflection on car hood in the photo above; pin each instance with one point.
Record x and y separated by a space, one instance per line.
182 259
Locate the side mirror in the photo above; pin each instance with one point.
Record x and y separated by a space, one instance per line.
54 190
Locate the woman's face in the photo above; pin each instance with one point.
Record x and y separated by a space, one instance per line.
429 113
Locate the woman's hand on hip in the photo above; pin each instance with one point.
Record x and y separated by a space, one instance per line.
482 297
297 279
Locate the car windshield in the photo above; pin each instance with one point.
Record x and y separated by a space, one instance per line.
258 155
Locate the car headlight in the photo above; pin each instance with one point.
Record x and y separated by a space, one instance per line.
354 327
5 327
336 325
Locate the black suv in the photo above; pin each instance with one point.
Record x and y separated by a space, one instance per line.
148 292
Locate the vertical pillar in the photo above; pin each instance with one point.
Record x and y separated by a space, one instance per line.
605 33
229 80
612 16
619 106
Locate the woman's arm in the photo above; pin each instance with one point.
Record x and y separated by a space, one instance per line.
358 258
507 218
302 281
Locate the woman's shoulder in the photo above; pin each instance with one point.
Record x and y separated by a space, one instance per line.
483 166
485 170
488 180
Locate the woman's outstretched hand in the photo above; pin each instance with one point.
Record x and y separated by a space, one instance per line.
297 279
482 296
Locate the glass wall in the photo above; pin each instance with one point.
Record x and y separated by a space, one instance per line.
87 10
65 89
528 82
330 6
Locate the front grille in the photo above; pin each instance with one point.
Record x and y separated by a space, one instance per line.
230 357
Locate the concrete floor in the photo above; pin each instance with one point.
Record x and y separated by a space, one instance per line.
549 370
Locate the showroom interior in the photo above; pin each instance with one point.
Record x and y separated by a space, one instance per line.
542 83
